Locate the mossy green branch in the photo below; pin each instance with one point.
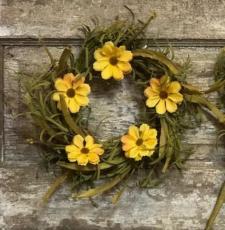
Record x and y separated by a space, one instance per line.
199 99
219 203
158 56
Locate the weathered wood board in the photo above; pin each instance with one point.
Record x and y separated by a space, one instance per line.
184 200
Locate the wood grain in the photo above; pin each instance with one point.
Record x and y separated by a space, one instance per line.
176 18
183 201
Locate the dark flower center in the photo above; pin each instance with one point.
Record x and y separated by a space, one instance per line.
70 92
163 94
113 60
85 150
139 142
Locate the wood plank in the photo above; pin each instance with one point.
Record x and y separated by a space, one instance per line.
176 18
183 201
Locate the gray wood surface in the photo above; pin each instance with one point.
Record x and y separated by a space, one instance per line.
184 201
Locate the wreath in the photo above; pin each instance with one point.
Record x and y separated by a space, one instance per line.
58 102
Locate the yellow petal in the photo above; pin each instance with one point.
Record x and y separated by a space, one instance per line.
125 56
176 97
78 140
61 85
155 85
98 55
72 148
171 106
144 153
152 101
134 132
128 142
174 87
133 153
97 150
100 65
78 81
93 158
124 66
149 134
69 77
117 73
73 106
144 128
81 100
150 143
89 141
107 72
149 92
55 97
161 107
83 90
108 48
82 159
72 156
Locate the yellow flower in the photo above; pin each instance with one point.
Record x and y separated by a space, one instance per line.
163 94
139 142
112 61
84 150
74 91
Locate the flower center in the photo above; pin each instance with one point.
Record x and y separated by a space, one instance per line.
113 60
85 150
70 92
139 142
163 94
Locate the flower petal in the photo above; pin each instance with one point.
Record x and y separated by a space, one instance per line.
83 90
108 48
97 150
69 77
155 85
174 87
128 142
149 92
125 56
107 72
100 65
89 141
117 73
73 106
72 156
124 66
134 132
98 55
78 140
176 97
171 106
93 158
61 85
152 101
161 107
72 148
55 96
150 143
133 153
81 100
82 159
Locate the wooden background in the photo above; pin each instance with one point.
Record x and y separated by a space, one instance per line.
184 200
